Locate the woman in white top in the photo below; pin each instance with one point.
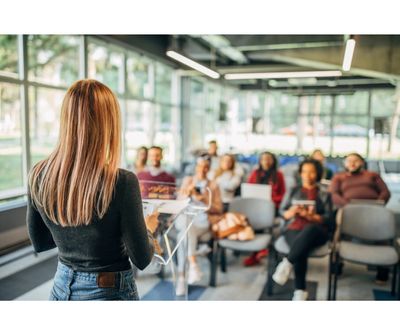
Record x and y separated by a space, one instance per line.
227 179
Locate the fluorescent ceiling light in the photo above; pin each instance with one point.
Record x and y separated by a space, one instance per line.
276 75
194 65
348 54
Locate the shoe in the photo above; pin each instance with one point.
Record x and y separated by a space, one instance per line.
300 295
282 272
261 254
203 250
180 288
194 274
251 260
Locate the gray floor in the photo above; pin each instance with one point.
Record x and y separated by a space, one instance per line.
238 283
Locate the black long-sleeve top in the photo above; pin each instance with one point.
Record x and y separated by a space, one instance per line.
106 244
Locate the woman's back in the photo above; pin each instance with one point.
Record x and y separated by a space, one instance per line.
105 244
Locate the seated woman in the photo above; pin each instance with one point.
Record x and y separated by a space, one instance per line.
195 187
308 226
267 173
227 179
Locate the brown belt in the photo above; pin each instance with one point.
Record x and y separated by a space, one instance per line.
106 279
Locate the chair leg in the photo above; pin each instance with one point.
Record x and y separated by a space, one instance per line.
398 282
330 277
394 278
223 259
337 262
271 266
214 264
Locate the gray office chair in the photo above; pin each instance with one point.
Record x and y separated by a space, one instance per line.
261 214
281 248
366 225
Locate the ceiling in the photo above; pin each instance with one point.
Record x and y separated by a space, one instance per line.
375 62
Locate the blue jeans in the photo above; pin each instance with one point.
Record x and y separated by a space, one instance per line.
77 285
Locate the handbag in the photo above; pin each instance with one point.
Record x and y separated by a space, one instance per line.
233 226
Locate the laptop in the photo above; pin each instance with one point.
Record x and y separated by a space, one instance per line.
258 191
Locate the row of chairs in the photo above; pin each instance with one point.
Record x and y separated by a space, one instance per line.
365 234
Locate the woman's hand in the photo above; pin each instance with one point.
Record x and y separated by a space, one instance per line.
152 222
291 212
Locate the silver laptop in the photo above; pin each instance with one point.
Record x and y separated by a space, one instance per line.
258 191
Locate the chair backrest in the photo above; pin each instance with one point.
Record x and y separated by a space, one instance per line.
368 222
259 212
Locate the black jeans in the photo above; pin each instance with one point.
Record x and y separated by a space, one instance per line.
301 243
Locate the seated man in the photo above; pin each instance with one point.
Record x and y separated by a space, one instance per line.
358 183
195 187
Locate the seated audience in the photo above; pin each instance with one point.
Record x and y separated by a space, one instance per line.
195 188
358 183
307 226
318 155
227 179
213 154
154 172
141 160
267 173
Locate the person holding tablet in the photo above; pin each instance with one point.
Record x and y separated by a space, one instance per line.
82 203
308 215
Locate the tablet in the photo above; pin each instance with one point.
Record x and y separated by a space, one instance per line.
258 191
303 202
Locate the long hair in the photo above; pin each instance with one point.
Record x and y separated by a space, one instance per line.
77 180
220 171
272 171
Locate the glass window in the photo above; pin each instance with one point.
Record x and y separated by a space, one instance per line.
314 123
163 82
383 107
10 137
8 55
44 120
140 73
356 103
350 134
139 119
106 65
53 59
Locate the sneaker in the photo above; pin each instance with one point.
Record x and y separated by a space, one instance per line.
194 274
251 260
282 272
261 254
203 250
300 295
180 288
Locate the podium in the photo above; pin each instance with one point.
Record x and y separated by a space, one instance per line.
177 212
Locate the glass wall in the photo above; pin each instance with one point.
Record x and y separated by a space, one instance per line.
147 90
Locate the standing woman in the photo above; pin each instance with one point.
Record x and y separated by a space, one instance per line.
267 173
227 179
82 203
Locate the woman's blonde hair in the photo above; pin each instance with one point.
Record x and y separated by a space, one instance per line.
77 180
220 171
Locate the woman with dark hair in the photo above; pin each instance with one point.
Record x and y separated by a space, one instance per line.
267 173
308 215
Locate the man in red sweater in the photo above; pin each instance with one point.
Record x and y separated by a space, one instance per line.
154 177
358 183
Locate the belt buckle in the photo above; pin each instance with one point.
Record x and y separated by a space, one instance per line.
106 279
